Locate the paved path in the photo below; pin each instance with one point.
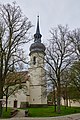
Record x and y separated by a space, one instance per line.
21 114
68 117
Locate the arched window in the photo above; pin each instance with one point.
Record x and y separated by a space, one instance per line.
34 60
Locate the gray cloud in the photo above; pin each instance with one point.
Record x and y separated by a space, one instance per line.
52 13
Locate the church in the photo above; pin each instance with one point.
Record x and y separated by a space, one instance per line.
34 78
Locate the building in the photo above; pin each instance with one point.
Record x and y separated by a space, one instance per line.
35 78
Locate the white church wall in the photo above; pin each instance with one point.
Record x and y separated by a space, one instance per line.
20 96
73 103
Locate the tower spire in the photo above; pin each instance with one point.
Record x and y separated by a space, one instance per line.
37 35
38 30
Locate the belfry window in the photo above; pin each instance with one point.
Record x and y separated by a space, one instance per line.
34 60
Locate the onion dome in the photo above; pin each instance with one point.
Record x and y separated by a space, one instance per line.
37 46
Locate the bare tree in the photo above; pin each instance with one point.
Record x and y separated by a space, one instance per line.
65 84
59 56
14 28
75 68
75 39
51 84
75 75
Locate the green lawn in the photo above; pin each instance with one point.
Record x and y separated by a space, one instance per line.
44 112
6 114
49 111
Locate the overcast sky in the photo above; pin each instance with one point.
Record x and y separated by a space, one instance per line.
51 12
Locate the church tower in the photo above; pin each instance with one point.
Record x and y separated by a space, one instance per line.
37 72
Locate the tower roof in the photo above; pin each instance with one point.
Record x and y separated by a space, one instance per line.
37 46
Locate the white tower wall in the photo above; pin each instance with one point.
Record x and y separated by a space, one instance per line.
37 80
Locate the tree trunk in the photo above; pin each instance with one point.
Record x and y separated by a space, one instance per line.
66 102
54 102
0 109
6 98
66 96
6 102
58 97
1 97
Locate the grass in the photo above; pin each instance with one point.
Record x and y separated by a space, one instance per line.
49 111
44 112
6 114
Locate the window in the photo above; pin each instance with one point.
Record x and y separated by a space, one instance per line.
34 60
